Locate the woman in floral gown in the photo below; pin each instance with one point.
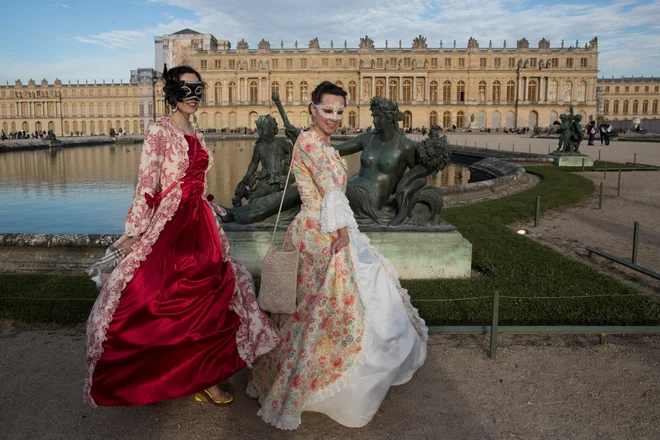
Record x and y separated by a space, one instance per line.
177 315
354 333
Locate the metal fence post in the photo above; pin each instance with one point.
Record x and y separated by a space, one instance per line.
583 164
635 241
635 159
598 154
537 213
618 187
494 325
600 199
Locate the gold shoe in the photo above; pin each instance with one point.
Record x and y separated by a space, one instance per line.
206 397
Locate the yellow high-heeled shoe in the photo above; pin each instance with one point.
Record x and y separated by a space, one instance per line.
206 397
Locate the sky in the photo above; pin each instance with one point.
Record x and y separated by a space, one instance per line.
78 40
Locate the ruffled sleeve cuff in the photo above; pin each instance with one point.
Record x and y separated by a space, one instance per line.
336 213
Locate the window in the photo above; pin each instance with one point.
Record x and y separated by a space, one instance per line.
433 92
253 64
232 93
352 91
655 107
340 84
582 91
532 62
394 89
446 119
275 87
406 62
407 91
218 92
74 93
607 89
512 63
497 91
657 88
393 62
635 106
616 89
568 91
569 62
218 64
380 88
289 63
482 62
275 63
627 89
460 120
645 106
352 119
338 62
461 62
553 89
606 107
448 63
625 106
232 64
555 63
303 63
352 62
304 96
254 92
204 65
482 91
510 91
289 91
498 62
646 89
460 91
636 89
433 119
584 62
324 62
531 91
615 107
434 63
446 91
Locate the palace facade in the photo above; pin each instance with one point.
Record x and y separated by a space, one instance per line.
475 86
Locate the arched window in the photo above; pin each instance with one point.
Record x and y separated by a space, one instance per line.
433 119
616 107
460 91
352 119
74 109
275 87
38 110
253 120
37 126
497 91
625 106
606 107
67 128
117 110
289 91
304 119
394 90
204 121
446 91
136 126
108 109
51 109
232 93
645 106
352 91
407 91
582 91
460 120
433 92
495 120
635 106
380 88
217 121
142 126
568 91
51 126
218 92
254 93
446 119
127 125
127 108
304 92
101 126
531 91
340 84
510 91
204 97
655 107
482 91
407 119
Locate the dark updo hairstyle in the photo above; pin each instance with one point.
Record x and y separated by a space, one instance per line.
326 88
173 83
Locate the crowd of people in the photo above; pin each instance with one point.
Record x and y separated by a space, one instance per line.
22 134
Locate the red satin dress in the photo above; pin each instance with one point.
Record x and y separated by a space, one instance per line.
173 334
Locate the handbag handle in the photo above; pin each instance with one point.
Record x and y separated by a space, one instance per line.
286 183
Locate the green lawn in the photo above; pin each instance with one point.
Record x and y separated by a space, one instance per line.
513 264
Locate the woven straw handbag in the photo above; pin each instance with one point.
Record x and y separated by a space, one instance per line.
279 272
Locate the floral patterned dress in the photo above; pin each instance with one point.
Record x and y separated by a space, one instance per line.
354 333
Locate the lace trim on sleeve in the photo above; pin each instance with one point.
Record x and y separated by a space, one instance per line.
336 213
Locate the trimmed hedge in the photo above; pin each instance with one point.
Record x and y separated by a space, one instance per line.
513 264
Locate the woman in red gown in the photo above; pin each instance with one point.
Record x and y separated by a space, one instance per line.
177 315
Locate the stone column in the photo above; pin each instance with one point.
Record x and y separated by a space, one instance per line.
526 89
225 91
373 88
541 89
387 87
400 83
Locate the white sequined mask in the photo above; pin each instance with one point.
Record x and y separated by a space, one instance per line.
334 111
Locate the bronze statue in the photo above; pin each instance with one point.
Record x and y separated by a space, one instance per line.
570 133
274 154
390 188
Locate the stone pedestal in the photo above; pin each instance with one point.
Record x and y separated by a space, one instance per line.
572 160
415 255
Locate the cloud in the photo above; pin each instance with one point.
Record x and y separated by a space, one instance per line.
113 40
58 5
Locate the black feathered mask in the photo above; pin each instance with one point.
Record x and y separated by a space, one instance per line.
176 90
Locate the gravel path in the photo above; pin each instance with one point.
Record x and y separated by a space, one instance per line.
539 388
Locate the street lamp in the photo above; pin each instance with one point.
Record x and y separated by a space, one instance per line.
153 90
